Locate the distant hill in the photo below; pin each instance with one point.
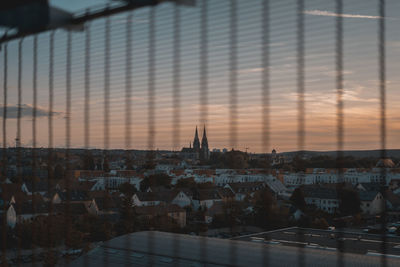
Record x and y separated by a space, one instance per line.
391 153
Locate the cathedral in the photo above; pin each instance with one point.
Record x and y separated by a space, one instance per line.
197 151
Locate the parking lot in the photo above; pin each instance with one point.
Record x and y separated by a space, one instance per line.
348 241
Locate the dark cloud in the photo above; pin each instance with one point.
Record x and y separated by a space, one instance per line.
26 111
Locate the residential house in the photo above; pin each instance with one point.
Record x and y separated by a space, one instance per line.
276 186
175 212
217 209
40 187
73 195
182 198
72 209
322 198
367 187
245 190
11 215
114 182
394 184
206 198
392 201
27 211
107 204
146 199
226 194
372 202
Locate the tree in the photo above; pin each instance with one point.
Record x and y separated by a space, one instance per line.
187 183
236 159
264 163
127 223
127 189
150 160
159 179
297 199
233 159
88 161
299 164
320 223
232 212
145 184
59 172
100 230
349 202
263 208
99 165
128 161
50 258
106 164
74 239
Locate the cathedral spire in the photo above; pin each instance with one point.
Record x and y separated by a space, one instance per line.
204 141
204 132
205 152
196 141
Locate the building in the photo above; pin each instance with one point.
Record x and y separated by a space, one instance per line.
168 249
331 176
372 202
199 151
175 212
322 198
206 198
243 190
276 159
146 199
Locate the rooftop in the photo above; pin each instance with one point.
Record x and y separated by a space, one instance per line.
167 249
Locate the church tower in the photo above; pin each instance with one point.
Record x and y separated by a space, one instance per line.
196 142
205 151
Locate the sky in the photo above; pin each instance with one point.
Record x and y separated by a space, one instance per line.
361 79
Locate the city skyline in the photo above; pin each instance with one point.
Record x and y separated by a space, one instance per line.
361 95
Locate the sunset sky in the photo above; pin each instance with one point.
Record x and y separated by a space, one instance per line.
360 68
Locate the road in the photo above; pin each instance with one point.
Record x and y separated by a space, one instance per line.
350 242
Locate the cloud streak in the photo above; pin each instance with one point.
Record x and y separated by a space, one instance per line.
26 111
332 14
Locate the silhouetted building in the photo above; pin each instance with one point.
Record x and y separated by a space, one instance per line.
204 151
199 151
276 159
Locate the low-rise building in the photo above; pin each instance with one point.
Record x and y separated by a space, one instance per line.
322 198
372 202
243 190
146 199
206 198
175 212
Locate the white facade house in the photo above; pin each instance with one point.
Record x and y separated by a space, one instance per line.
200 179
114 182
324 176
220 177
182 200
145 199
29 216
326 204
11 216
243 190
165 167
224 179
92 207
372 203
324 199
